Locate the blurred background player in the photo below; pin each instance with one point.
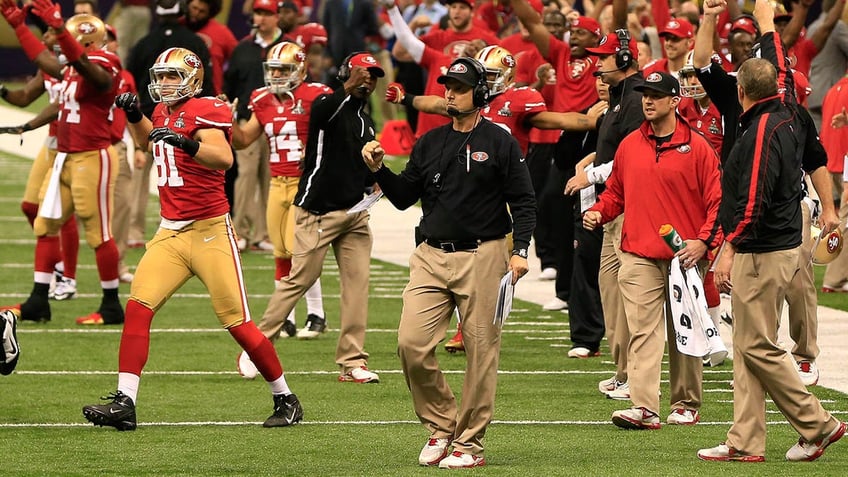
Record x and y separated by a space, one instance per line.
188 137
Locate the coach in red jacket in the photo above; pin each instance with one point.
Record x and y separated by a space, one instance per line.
663 173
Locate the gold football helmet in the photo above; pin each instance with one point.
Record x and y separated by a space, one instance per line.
285 67
688 87
87 29
500 68
826 247
175 62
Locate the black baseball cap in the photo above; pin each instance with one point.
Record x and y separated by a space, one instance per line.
461 70
660 82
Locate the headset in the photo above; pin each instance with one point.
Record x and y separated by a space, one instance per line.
344 69
623 57
480 91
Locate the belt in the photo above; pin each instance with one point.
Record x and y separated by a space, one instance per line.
451 246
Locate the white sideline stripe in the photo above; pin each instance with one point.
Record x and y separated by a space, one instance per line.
350 423
730 401
199 295
110 330
299 373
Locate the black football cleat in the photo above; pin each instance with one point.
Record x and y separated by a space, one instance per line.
287 411
119 413
9 350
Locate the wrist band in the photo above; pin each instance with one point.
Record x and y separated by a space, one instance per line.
407 99
70 47
134 116
190 146
31 45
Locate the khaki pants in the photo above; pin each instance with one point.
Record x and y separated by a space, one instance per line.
438 283
140 195
133 21
123 200
615 320
644 291
251 191
803 300
760 365
351 240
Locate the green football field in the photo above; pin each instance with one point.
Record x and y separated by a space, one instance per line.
197 416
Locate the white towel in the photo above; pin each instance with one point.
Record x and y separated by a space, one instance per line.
51 206
696 335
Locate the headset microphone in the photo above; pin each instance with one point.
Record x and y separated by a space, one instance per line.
599 73
453 112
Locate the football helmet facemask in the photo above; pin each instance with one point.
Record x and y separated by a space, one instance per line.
87 29
500 68
182 63
285 67
688 88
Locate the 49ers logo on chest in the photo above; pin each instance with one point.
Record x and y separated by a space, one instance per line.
479 156
579 66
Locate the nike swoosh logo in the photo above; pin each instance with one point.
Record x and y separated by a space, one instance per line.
217 105
209 239
522 159
114 411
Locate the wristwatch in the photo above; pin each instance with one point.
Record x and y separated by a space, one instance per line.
521 252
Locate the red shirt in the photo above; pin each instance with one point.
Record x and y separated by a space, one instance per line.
221 43
679 184
188 190
803 51
528 62
658 65
452 43
576 85
118 117
83 123
511 110
286 124
835 141
436 63
517 44
708 123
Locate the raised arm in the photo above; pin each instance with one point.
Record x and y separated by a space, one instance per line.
533 23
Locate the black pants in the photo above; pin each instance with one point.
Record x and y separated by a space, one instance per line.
539 162
558 210
585 315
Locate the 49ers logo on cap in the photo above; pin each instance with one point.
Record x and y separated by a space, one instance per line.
458 68
86 28
603 41
654 78
671 25
193 61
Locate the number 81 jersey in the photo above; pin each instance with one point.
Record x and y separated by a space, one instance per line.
286 124
187 189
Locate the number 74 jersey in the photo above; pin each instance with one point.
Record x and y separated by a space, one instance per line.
286 124
187 189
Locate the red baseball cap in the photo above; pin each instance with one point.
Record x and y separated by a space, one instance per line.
266 5
678 27
366 60
587 23
110 30
745 24
610 45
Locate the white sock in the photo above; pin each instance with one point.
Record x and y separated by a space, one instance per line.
314 300
128 384
715 315
279 386
59 267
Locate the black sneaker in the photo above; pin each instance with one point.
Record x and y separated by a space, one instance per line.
289 330
119 413
287 411
36 308
315 325
9 351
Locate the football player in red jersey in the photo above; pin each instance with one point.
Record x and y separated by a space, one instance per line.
189 140
281 109
85 168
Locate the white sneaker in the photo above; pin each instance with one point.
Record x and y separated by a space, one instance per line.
458 460
242 244
582 352
555 305
264 246
807 451
607 385
549 273
683 417
359 375
620 393
126 277
246 368
723 453
808 371
434 451
636 418
65 289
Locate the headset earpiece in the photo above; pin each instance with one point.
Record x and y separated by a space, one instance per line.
480 92
623 57
344 69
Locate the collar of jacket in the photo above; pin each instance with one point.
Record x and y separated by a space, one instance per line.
682 133
766 105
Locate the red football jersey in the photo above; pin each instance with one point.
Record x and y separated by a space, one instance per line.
708 123
83 123
510 110
576 84
54 88
286 124
436 63
452 42
188 190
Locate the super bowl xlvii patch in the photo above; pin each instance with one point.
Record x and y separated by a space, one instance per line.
179 123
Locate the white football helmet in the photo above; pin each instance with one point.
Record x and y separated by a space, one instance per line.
87 29
180 62
289 60
689 88
500 68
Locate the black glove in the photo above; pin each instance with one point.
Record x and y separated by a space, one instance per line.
129 103
11 129
175 139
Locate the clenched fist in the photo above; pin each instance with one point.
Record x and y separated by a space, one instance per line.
175 139
395 93
129 103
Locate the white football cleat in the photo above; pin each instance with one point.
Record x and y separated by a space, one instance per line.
246 368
